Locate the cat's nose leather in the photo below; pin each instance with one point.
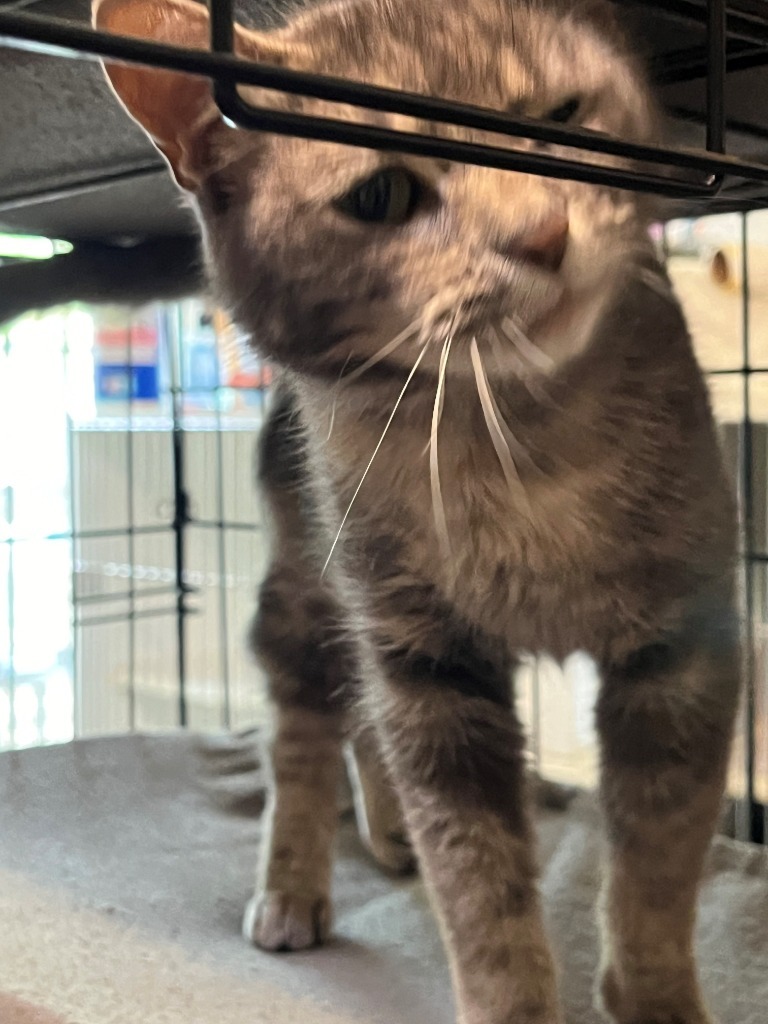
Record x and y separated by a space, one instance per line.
543 243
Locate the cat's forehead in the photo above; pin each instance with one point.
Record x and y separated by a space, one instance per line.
521 56
487 51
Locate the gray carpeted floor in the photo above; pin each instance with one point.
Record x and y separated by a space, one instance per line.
159 834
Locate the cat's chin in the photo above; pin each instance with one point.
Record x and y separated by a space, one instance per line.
534 295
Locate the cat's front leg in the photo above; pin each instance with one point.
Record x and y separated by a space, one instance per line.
665 719
291 906
457 757
295 637
306 667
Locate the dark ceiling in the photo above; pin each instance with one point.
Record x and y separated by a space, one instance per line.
73 166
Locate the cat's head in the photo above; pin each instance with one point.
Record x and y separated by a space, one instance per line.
326 253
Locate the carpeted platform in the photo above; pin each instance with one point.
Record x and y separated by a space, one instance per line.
125 864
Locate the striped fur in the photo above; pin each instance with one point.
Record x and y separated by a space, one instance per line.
583 504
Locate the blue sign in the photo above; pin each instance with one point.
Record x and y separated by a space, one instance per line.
121 382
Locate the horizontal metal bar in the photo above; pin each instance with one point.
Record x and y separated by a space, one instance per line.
746 22
135 594
109 620
690 64
58 37
740 371
213 389
372 137
113 531
222 524
746 196
725 202
17 200
745 61
752 131
105 534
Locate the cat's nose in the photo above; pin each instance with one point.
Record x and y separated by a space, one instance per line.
543 243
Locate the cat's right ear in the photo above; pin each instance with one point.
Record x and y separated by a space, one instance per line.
175 109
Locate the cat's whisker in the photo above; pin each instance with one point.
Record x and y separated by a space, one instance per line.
530 384
336 397
519 451
332 419
656 284
410 377
503 347
527 348
450 333
648 272
438 508
492 421
384 351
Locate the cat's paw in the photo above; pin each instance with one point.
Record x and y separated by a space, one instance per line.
650 1007
552 796
281 922
378 812
391 850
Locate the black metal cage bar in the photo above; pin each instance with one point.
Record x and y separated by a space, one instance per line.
54 36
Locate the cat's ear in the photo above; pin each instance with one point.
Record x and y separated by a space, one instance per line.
175 109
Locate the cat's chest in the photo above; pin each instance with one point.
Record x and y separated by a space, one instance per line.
595 545
509 553
506 553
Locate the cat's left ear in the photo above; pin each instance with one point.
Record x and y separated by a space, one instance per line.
175 109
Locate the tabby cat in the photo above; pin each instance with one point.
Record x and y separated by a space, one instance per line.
490 437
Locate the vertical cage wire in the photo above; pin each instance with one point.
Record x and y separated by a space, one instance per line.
131 525
11 621
746 825
181 514
73 554
221 548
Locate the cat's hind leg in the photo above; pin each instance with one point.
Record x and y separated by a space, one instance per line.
665 718
378 810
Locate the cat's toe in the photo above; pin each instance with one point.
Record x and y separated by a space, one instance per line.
281 922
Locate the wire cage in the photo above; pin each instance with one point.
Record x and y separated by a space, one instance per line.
138 517
169 544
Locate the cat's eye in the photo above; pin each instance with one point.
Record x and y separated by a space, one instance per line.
565 112
388 197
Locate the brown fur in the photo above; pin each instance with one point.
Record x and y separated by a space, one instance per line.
598 519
